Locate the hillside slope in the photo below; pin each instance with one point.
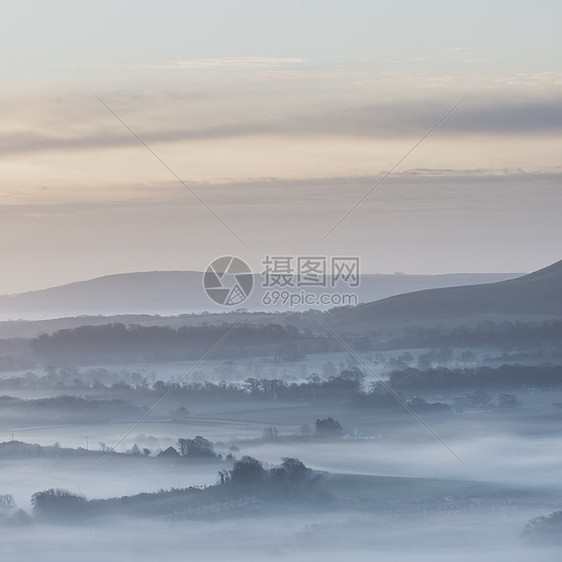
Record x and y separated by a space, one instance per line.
537 294
179 292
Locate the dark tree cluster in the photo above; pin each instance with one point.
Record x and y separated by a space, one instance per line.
70 407
328 427
125 343
197 448
248 477
57 503
545 528
345 385
291 475
505 335
506 376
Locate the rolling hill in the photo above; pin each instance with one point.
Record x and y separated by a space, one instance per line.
536 295
180 292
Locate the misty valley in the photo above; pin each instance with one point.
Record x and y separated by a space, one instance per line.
311 435
280 281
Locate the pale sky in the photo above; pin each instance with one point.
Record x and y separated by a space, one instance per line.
280 116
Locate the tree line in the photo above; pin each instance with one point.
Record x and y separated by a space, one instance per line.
125 343
506 376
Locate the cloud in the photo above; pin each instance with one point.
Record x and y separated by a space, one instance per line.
461 49
276 193
390 120
220 62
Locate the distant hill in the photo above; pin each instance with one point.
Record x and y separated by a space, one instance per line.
180 292
536 295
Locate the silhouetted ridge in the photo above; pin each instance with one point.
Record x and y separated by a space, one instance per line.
538 293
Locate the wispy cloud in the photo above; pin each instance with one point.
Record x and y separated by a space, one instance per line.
377 121
275 192
461 49
219 62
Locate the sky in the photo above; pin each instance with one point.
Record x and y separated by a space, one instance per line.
279 118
